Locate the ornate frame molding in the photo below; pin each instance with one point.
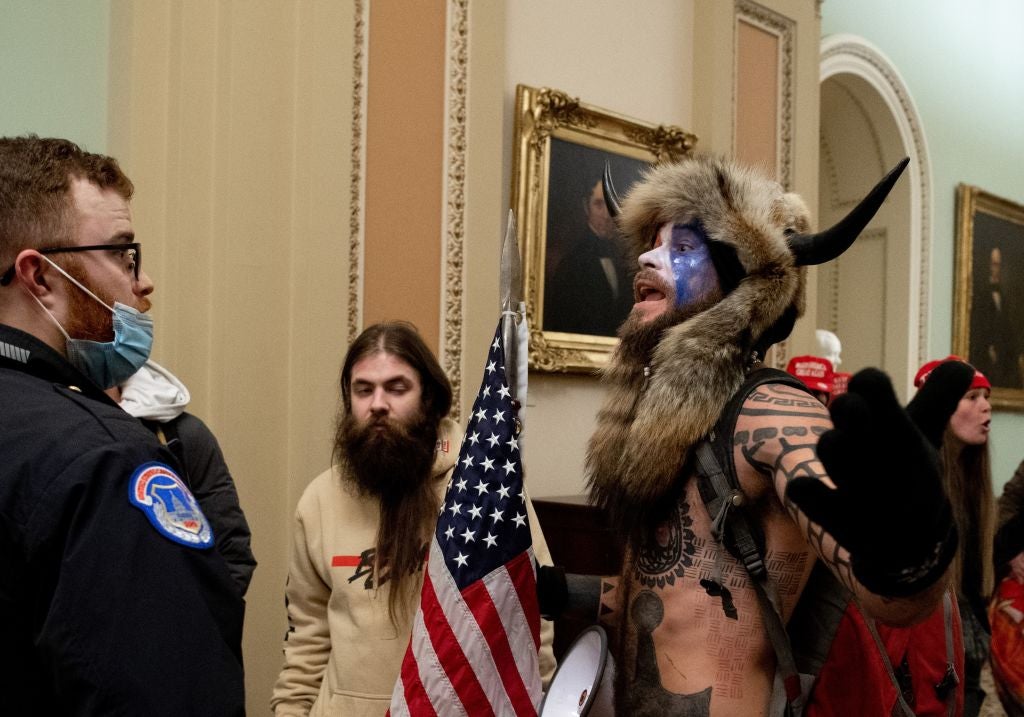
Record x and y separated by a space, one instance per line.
850 54
454 211
543 114
356 184
785 29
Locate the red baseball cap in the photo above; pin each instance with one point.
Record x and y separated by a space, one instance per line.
814 371
922 373
840 382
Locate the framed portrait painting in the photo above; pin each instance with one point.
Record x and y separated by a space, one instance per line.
578 270
988 318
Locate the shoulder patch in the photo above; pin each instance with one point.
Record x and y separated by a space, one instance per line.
157 491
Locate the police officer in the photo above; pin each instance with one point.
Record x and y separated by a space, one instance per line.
112 600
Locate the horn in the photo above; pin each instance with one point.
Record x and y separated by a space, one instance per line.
611 198
810 249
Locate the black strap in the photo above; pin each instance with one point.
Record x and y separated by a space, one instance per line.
724 500
724 487
727 512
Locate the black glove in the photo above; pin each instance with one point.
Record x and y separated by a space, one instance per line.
888 508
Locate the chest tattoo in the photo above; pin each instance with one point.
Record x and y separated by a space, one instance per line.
667 550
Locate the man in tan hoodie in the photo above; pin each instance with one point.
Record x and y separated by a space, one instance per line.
362 527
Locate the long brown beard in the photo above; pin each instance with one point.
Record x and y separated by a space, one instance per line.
393 465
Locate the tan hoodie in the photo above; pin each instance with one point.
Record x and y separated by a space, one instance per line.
342 654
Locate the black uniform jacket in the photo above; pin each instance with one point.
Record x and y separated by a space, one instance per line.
100 611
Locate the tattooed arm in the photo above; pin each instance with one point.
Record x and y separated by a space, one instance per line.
776 437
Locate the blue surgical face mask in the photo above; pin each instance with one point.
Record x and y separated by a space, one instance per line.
109 363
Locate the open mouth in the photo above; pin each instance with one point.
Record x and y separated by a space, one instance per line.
648 287
645 292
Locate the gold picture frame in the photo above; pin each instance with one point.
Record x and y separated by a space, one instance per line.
988 316
561 145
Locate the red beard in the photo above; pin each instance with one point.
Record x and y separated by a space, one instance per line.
87 319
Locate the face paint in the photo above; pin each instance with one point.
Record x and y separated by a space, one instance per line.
682 262
690 262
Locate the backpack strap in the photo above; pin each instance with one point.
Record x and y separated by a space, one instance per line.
728 498
716 473
946 688
724 500
901 702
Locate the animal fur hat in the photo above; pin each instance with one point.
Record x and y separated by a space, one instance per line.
648 425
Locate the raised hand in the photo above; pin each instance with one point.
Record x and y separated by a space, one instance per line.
888 508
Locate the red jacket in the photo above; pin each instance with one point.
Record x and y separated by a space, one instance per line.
854 680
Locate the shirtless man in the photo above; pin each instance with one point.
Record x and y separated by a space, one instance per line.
719 283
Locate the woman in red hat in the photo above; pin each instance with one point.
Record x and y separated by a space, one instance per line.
968 481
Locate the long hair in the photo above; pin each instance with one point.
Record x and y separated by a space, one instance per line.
967 478
404 526
402 340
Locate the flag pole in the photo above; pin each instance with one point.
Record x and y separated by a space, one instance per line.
474 647
513 310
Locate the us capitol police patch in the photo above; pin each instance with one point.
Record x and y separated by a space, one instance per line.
157 491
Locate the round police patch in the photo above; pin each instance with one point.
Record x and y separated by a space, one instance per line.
157 491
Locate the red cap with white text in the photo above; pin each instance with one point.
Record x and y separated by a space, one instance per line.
840 382
814 371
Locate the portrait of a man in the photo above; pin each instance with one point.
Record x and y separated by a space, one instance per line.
996 312
588 271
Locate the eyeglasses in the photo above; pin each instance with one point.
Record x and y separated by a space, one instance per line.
131 256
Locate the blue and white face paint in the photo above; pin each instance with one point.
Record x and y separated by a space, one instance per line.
677 272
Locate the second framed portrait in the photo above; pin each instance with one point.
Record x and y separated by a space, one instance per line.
578 269
988 321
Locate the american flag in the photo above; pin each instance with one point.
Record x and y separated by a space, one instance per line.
476 635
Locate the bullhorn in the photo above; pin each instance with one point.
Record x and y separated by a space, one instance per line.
583 683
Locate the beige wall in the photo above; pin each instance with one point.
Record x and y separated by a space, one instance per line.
267 141
234 121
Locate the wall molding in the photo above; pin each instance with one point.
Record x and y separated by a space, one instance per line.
454 209
357 185
784 29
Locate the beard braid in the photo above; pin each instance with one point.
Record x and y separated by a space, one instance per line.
394 466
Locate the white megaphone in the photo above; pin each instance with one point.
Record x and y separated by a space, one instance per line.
584 681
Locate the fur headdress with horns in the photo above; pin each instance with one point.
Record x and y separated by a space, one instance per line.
648 425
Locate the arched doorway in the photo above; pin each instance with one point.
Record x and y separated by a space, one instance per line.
874 297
